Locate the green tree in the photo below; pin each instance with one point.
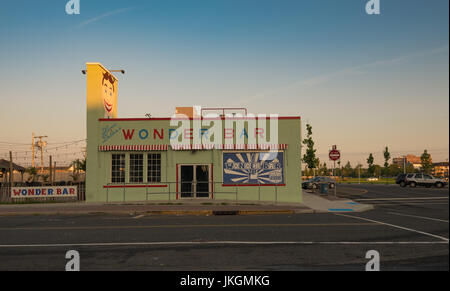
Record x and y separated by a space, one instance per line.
371 168
45 177
78 165
425 160
32 174
310 155
394 170
348 171
338 169
324 169
387 157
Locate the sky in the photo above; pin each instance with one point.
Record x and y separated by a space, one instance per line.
362 81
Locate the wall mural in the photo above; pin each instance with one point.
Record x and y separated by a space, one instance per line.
240 168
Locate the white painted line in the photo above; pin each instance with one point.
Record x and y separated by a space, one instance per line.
423 217
139 216
412 198
228 243
392 204
396 226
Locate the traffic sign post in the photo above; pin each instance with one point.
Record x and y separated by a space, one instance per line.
334 155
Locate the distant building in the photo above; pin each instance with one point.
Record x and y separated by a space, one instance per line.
409 160
4 170
440 169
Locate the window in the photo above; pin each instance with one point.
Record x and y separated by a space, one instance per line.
154 168
118 168
427 177
136 168
418 176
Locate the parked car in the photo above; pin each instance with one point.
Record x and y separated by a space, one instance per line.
315 182
414 180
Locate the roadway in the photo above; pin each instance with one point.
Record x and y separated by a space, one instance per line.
408 227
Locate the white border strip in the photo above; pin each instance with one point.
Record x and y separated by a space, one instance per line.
423 217
396 226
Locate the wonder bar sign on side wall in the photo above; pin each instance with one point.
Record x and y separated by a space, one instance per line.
43 192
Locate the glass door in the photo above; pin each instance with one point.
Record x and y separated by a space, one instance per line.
187 180
194 181
201 181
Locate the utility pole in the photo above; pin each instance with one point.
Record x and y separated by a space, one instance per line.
40 145
404 165
32 149
11 171
54 172
50 171
359 173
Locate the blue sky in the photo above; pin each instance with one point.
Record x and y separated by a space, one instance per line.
362 81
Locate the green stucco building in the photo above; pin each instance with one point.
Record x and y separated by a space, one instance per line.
193 156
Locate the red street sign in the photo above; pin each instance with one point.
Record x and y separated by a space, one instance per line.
334 155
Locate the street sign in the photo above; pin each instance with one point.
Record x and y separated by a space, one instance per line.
334 155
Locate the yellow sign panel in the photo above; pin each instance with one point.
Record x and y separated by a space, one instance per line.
101 91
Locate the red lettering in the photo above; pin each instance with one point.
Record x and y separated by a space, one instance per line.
44 191
260 132
58 191
16 192
228 133
188 133
155 132
128 135
30 191
72 191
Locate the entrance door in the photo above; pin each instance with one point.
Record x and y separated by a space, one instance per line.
194 181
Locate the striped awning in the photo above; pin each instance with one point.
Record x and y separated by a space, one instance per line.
153 147
180 147
230 147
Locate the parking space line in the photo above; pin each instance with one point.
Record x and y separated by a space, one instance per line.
226 243
396 226
400 199
409 203
416 216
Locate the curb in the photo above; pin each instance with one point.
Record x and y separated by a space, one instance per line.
166 212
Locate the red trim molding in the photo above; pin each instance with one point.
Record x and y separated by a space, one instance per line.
192 118
177 181
134 186
243 185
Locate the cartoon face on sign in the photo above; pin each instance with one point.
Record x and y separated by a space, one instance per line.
108 94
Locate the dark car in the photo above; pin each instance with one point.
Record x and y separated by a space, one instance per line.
315 182
401 179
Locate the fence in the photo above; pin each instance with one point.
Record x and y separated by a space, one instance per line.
186 192
5 192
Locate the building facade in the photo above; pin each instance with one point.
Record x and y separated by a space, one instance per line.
214 157
409 160
440 169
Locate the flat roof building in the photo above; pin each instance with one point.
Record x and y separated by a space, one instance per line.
190 155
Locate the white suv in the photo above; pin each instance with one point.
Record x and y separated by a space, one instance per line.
426 180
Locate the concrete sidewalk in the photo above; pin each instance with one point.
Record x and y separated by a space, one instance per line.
312 203
321 204
161 208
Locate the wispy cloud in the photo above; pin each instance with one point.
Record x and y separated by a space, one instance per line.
355 70
104 15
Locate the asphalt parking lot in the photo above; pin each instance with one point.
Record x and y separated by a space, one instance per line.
408 227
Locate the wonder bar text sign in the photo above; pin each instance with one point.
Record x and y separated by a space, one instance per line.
41 192
253 168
